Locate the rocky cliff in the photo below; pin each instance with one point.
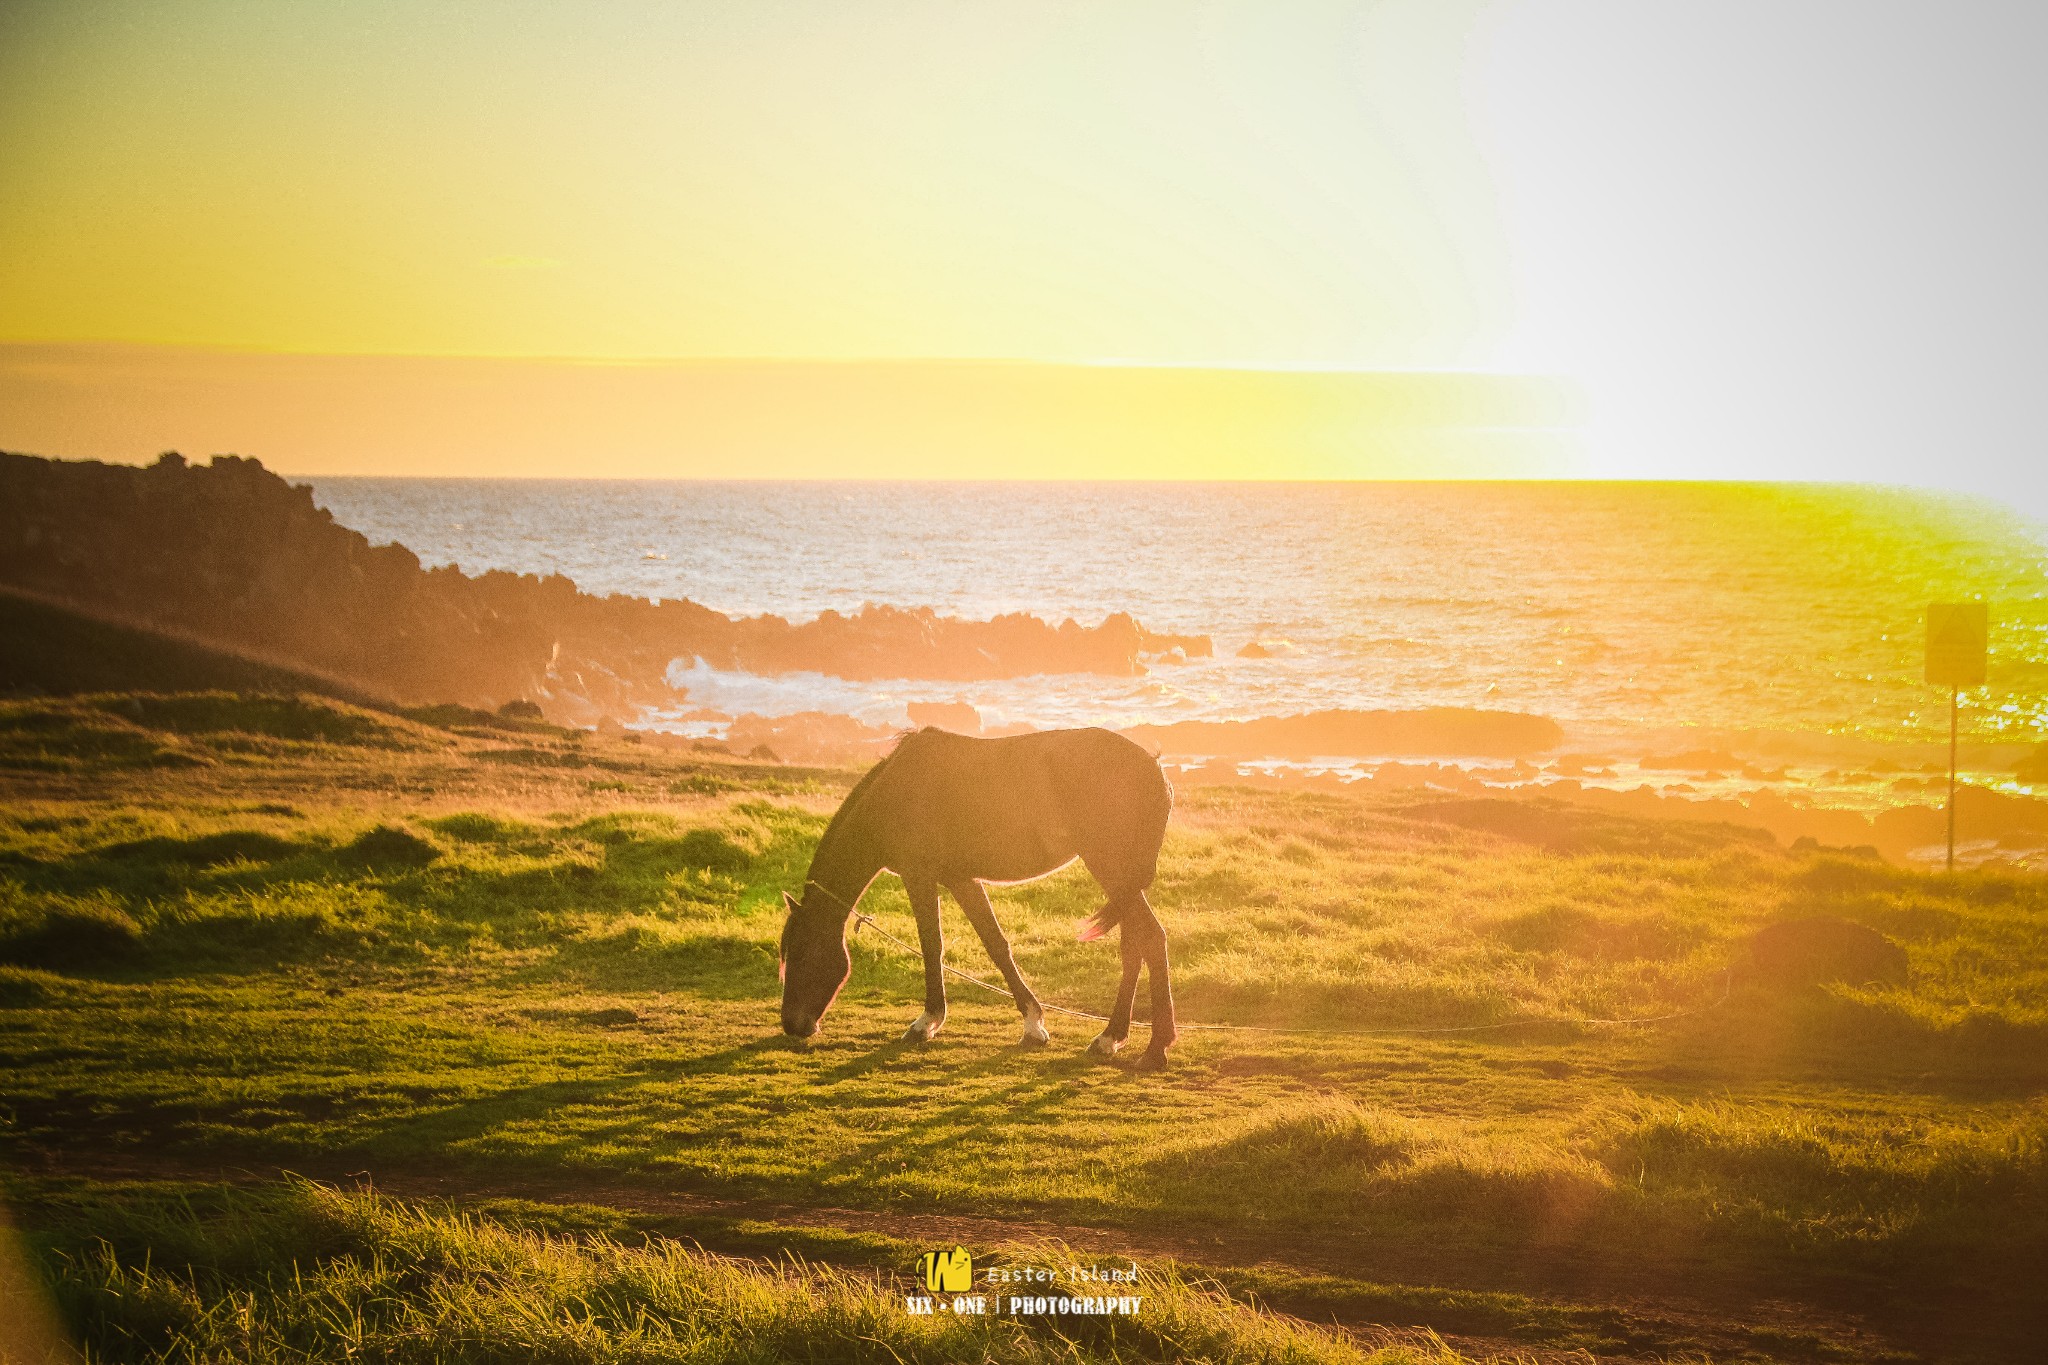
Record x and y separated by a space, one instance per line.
230 552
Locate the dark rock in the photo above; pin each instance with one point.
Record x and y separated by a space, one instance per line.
1708 761
809 737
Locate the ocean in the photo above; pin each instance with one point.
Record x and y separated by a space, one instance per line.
1638 615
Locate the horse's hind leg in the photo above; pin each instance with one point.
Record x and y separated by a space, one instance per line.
1119 1027
1144 926
924 900
974 900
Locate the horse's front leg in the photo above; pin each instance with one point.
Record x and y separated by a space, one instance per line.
974 900
924 900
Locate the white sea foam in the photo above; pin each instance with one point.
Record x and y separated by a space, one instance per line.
786 694
1043 699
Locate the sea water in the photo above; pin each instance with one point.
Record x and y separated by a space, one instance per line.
1634 613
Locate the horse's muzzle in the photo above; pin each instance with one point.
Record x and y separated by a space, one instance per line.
800 1026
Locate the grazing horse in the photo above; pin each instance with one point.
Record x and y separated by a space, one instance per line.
946 810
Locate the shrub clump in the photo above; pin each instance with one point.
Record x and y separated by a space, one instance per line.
1830 1178
68 933
1306 1158
1797 953
1578 932
389 846
57 736
474 827
713 850
218 849
22 989
306 719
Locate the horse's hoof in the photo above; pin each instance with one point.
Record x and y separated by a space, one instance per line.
1035 1034
924 1028
1152 1059
1104 1046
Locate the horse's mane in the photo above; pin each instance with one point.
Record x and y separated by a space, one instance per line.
859 790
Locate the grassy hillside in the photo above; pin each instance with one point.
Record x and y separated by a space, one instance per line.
295 934
48 647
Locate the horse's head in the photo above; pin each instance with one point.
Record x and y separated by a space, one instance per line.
814 962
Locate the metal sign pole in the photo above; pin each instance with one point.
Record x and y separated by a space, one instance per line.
1958 645
1954 696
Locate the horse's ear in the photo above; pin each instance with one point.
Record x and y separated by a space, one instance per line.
789 902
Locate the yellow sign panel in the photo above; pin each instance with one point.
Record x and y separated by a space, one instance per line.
1958 636
947 1272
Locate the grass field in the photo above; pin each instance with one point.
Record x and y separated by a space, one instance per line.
534 974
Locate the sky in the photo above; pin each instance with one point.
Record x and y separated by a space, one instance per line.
1785 240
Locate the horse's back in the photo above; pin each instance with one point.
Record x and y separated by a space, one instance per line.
1018 806
1077 764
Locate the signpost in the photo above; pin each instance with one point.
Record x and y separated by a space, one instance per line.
1958 638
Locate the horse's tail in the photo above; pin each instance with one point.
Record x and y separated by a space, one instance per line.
1107 918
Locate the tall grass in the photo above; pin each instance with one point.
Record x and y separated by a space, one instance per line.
1650 1174
314 1273
1808 1176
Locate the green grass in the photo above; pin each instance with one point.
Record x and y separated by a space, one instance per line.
341 952
310 1272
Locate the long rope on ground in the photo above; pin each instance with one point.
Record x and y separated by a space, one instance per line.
1727 985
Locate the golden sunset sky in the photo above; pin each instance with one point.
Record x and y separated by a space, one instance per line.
1742 240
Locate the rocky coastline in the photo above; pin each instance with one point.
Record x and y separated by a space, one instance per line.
232 553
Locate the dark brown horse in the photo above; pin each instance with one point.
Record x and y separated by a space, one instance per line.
946 810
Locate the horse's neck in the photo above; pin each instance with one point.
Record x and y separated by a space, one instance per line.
847 859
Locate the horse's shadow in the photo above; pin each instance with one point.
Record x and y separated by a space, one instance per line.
1052 1058
477 1116
1025 1099
853 1068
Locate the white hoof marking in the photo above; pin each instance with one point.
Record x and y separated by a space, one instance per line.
1104 1045
925 1028
1035 1034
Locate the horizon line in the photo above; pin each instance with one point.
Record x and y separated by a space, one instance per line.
650 362
1915 489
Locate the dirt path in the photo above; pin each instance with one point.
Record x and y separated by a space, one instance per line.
1651 1312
